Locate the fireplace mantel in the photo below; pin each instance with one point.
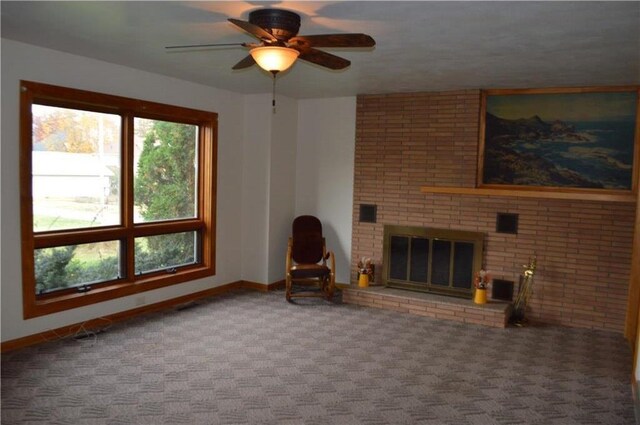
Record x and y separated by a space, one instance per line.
551 194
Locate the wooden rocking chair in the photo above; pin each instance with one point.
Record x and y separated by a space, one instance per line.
307 260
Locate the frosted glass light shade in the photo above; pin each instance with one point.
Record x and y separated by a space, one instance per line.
274 58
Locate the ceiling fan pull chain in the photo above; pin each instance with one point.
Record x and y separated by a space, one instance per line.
273 96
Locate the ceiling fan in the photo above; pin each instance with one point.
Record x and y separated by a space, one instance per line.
280 45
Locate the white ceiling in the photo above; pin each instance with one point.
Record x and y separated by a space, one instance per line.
421 46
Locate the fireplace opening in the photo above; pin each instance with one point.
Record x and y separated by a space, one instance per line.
424 259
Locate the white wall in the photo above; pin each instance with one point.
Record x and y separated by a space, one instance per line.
282 184
268 187
324 174
255 188
271 167
309 154
23 61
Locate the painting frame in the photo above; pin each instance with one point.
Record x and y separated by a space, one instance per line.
509 160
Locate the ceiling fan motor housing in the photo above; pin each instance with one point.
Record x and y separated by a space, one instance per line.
282 24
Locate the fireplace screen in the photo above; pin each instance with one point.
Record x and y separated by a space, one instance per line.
432 260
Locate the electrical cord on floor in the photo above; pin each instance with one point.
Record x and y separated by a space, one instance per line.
82 333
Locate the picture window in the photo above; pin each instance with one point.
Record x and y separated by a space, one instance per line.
118 196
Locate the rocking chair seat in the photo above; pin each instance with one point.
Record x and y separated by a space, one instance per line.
305 271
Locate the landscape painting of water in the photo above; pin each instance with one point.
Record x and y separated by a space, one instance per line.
570 140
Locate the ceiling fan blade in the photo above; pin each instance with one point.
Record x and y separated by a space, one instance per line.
245 63
335 40
189 46
323 58
253 29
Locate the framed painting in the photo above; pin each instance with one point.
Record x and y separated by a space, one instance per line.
576 139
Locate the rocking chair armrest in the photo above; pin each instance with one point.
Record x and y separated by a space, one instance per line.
332 260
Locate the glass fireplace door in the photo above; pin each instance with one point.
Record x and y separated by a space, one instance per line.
432 260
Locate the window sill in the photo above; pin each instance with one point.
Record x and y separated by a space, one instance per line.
53 304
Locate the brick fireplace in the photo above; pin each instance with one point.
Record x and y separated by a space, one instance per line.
408 140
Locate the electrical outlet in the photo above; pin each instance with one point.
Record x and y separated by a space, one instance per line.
141 300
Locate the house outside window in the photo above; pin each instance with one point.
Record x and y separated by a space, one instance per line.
117 196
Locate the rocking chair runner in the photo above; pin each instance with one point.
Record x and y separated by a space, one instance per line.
307 260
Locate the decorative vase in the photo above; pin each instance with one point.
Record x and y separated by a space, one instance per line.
480 296
363 280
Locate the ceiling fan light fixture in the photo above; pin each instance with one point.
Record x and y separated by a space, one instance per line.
274 58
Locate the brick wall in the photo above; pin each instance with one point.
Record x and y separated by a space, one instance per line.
405 141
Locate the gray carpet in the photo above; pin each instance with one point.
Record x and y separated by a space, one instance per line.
253 358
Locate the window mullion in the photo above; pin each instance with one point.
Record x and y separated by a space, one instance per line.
128 243
164 227
207 204
80 236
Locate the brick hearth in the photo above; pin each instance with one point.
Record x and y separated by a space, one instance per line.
494 313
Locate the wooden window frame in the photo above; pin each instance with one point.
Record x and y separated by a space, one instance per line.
204 223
